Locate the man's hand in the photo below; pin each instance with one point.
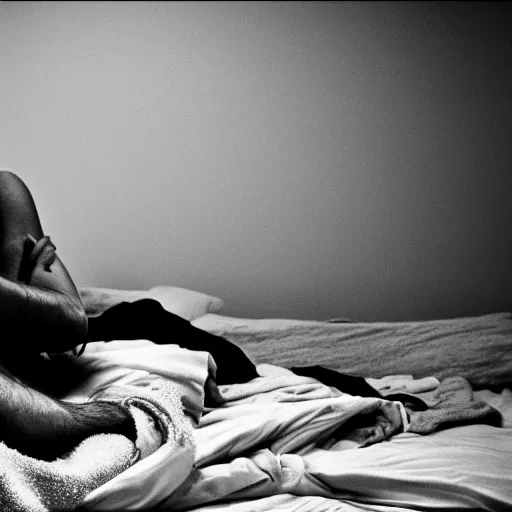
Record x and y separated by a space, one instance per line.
41 267
43 253
38 256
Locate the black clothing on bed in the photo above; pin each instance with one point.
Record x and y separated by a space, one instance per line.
356 386
147 319
349 384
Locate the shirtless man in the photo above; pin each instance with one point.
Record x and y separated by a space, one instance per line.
40 313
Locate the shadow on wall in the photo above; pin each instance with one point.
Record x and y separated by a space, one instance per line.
296 159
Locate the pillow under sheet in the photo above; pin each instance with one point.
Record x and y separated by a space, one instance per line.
188 304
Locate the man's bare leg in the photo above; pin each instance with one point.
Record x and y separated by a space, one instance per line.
42 427
31 421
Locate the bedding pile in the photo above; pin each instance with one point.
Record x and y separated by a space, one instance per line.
433 433
284 441
301 411
289 441
31 485
288 438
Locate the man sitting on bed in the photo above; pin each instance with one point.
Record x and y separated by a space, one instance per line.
41 313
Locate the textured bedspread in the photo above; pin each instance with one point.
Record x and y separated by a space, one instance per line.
477 348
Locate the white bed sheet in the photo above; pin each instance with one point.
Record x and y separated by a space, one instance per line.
459 468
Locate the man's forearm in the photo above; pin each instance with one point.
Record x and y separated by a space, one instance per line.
38 319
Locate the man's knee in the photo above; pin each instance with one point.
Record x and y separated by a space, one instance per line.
14 192
9 181
8 175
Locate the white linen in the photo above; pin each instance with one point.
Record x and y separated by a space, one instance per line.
142 364
269 440
292 503
459 468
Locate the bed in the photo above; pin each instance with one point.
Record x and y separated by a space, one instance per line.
283 442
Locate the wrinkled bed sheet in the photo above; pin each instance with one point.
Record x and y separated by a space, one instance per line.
459 468
266 448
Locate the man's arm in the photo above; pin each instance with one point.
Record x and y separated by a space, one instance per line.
45 271
42 320
43 309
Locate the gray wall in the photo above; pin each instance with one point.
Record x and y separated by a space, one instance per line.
296 159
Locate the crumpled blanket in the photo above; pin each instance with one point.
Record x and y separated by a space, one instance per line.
122 370
32 485
177 450
270 423
283 434
270 437
432 405
451 403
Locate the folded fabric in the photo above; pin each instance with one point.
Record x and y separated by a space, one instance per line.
371 428
161 401
500 401
402 384
157 411
149 437
32 485
451 404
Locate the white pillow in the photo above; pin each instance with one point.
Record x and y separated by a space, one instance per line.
187 304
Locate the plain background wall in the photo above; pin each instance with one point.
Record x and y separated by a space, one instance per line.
306 160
